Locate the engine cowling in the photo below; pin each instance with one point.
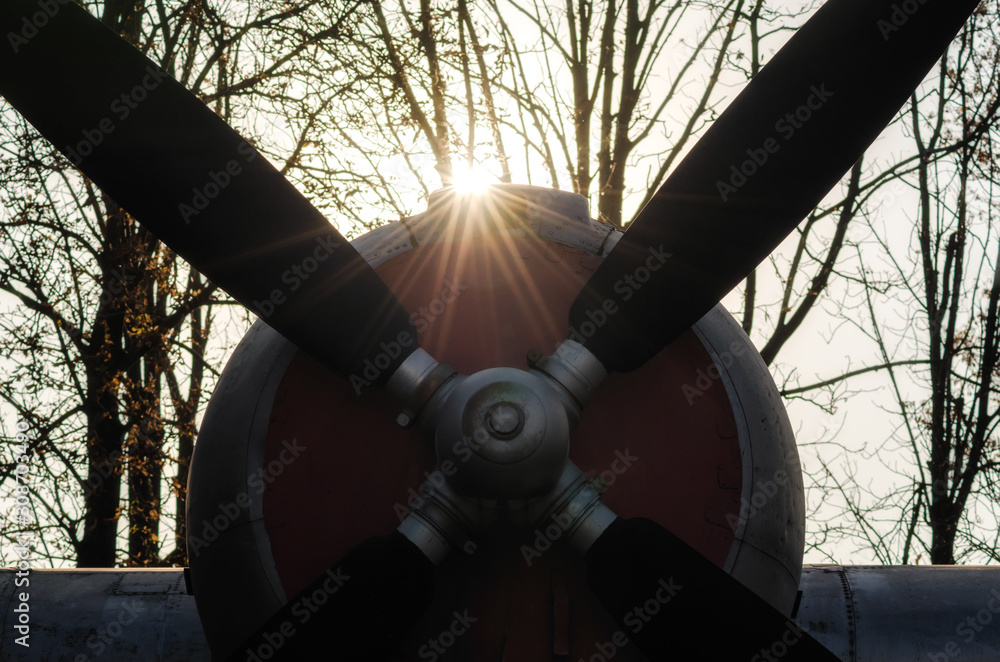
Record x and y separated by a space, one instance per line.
295 466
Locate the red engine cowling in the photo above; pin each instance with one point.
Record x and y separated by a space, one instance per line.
293 467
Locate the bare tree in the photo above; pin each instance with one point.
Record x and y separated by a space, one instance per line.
368 107
105 330
930 309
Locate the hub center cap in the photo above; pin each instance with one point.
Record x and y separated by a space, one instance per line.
504 420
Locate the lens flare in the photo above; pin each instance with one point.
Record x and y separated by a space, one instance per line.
472 181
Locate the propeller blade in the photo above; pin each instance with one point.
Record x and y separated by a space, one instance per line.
199 187
675 604
768 160
359 609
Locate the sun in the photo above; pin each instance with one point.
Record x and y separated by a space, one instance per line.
471 181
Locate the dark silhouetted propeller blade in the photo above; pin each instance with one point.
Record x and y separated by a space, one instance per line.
359 609
191 180
674 604
766 162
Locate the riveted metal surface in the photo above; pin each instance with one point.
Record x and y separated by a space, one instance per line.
870 614
97 614
770 524
556 216
903 613
229 552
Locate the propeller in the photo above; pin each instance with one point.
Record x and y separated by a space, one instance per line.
764 164
673 603
209 195
199 187
359 609
769 159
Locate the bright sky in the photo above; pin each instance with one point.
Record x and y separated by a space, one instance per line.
818 351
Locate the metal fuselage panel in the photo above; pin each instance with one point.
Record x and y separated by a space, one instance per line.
861 613
101 614
903 613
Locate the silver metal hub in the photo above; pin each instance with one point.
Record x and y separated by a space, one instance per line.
506 433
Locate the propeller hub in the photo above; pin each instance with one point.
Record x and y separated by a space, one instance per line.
506 432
